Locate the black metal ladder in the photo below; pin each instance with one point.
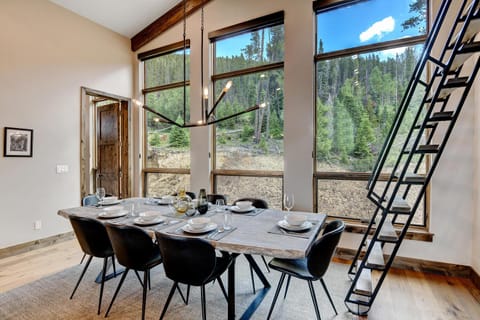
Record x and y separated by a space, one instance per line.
423 123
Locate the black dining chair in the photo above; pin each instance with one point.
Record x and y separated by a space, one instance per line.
259 204
188 193
135 250
313 267
212 198
191 261
94 241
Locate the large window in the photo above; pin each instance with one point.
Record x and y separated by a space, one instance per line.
362 70
248 150
167 147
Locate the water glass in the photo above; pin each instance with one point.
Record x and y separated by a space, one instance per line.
100 195
132 209
227 220
220 203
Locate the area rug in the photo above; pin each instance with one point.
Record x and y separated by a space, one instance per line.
48 298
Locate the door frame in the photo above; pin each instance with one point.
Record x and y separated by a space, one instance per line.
88 138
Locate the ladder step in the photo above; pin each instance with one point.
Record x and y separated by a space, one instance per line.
400 205
387 233
410 178
452 85
441 116
364 282
426 148
463 54
472 29
375 259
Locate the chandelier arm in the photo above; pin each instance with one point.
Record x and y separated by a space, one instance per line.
255 107
220 97
167 120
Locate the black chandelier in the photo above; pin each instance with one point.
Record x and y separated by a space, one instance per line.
208 114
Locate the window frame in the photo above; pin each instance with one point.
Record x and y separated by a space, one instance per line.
270 20
151 54
320 6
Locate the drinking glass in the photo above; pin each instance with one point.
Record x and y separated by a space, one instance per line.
227 220
220 205
100 195
288 201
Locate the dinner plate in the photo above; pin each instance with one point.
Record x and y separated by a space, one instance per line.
285 225
112 214
141 222
115 208
211 226
239 210
110 202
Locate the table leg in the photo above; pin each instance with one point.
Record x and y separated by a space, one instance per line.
260 294
231 288
110 274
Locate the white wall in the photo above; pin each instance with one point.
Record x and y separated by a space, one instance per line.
46 55
452 206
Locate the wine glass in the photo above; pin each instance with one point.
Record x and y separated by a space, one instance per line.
100 195
288 201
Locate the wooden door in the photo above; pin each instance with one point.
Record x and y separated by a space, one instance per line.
109 148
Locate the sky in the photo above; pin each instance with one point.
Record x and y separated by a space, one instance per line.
380 20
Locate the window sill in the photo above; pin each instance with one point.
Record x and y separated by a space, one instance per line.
412 234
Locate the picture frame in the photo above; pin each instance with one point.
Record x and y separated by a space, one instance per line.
17 142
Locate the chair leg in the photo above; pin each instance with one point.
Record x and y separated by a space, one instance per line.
328 295
116 291
144 296
279 286
139 279
266 264
253 280
83 258
314 299
204 305
220 283
81 276
104 272
114 268
286 287
149 281
165 307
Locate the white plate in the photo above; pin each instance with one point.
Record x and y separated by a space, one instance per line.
115 208
139 221
112 202
285 225
211 226
237 209
112 214
164 201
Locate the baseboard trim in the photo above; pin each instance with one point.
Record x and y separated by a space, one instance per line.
36 244
441 268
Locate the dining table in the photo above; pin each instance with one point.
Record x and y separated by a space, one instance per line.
255 232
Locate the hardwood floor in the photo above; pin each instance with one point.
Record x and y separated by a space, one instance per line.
404 295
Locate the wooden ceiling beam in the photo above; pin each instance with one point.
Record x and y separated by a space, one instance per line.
165 22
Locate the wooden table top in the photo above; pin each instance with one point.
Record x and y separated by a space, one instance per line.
252 234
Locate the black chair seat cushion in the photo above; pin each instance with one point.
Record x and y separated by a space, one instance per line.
221 265
294 267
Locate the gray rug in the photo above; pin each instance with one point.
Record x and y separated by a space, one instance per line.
48 298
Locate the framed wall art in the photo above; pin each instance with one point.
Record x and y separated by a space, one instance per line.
17 142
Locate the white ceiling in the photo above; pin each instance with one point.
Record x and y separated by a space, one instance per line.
126 17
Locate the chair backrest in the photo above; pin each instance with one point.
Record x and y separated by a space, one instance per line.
189 193
257 203
322 250
186 260
133 247
92 236
89 200
212 198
